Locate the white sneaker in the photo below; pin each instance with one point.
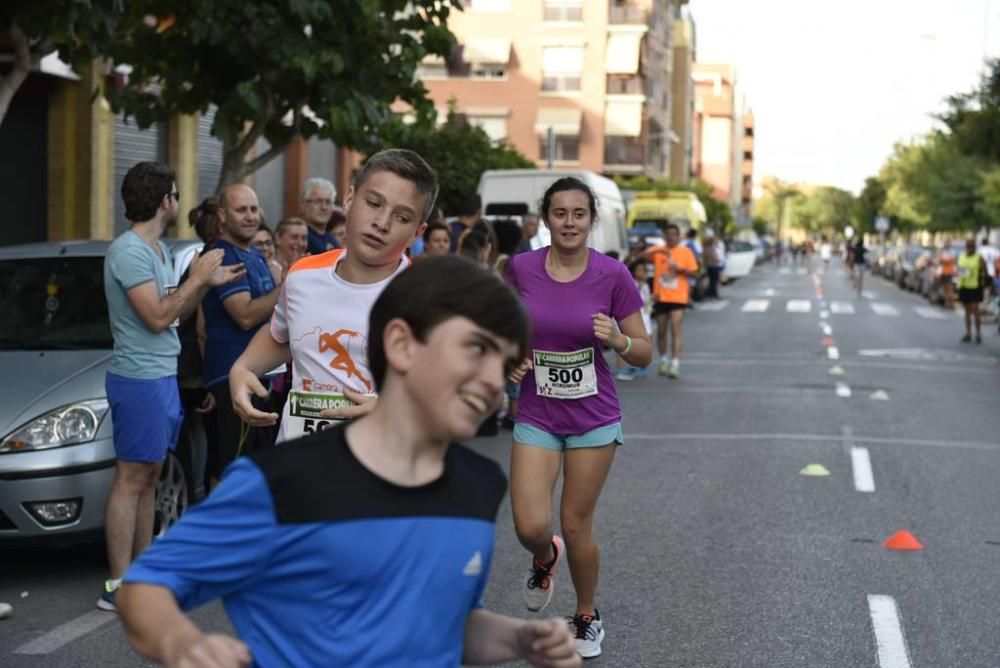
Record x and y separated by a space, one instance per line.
541 580
588 633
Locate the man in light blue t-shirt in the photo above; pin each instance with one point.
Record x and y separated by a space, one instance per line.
145 307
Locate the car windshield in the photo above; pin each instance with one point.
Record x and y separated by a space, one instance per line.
53 304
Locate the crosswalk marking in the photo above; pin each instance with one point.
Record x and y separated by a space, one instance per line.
785 270
930 312
884 309
802 270
842 308
798 306
712 306
756 305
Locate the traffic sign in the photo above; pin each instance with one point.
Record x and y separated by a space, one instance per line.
881 224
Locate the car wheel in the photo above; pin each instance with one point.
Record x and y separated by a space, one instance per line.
171 495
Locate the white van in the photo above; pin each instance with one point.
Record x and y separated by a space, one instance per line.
514 192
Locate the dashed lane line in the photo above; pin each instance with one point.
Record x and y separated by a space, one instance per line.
889 638
798 306
881 308
756 305
843 391
833 353
842 308
67 633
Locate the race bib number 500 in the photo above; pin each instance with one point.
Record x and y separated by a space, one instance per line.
305 411
565 375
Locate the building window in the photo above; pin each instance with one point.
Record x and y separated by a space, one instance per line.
563 11
488 71
488 5
432 70
561 68
623 151
494 126
567 149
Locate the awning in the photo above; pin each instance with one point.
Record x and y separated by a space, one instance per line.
623 53
486 50
562 120
623 115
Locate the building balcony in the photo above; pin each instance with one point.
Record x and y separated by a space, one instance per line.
624 153
625 85
628 15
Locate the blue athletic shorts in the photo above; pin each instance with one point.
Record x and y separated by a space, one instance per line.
527 434
513 390
146 416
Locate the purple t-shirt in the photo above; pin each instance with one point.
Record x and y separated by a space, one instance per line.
561 323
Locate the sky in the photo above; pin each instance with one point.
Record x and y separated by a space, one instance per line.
833 85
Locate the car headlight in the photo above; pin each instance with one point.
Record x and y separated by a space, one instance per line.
66 425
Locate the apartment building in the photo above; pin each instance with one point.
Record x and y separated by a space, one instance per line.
723 138
682 104
581 83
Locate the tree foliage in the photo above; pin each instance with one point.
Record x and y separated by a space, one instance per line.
459 153
973 117
826 210
37 28
869 204
273 70
280 70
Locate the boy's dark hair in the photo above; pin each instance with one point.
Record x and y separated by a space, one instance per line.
508 234
438 288
471 243
469 205
562 185
144 187
206 219
614 255
635 263
434 226
405 164
692 233
668 226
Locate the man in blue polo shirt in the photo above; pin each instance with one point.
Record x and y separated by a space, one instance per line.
317 199
366 544
233 314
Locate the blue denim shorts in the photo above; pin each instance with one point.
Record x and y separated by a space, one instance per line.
527 434
146 416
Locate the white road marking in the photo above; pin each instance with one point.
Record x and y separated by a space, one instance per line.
67 633
827 330
785 270
824 314
930 313
770 292
756 305
889 638
879 395
833 353
884 309
842 308
864 480
843 391
819 438
802 271
711 306
836 371
798 306
868 294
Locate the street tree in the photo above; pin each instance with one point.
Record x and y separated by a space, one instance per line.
459 152
782 192
278 70
973 117
825 209
869 204
34 29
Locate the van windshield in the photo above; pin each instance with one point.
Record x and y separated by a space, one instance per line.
53 304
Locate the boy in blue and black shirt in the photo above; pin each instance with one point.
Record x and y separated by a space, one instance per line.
370 544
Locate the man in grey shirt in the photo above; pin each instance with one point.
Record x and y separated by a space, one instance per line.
145 307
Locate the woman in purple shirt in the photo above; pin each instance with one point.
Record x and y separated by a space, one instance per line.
569 416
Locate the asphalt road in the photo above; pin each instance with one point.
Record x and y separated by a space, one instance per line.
716 550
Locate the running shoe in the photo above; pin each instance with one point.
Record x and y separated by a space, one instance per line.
675 371
624 374
541 580
664 367
107 599
979 338
966 339
588 631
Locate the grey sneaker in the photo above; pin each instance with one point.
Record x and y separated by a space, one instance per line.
588 631
541 580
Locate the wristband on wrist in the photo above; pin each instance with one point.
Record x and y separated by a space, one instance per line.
628 345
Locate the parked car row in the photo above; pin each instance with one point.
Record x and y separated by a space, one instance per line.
912 268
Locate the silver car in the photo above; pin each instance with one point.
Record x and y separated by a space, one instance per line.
56 454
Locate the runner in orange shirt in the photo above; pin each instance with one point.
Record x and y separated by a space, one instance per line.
673 266
947 270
